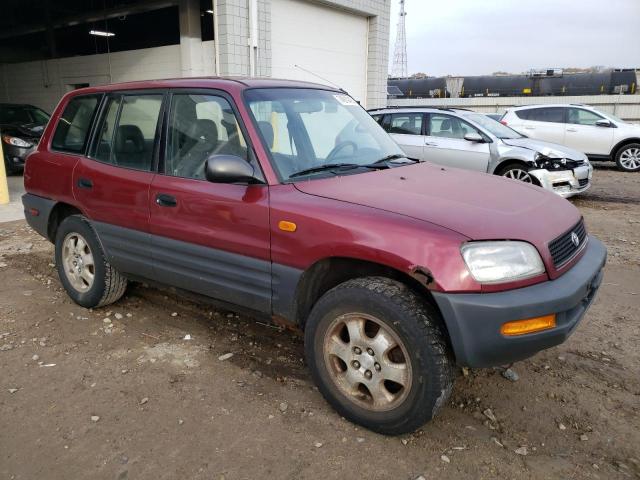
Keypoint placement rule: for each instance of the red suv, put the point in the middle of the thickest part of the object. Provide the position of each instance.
(287, 200)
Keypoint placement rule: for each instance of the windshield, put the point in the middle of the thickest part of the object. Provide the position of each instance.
(22, 114)
(493, 126)
(306, 129)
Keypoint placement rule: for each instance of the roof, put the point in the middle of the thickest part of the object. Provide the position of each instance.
(206, 82)
(392, 109)
(544, 105)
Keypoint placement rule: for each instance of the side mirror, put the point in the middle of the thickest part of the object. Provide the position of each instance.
(474, 137)
(228, 169)
(603, 123)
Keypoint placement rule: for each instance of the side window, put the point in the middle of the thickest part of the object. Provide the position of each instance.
(579, 116)
(449, 127)
(547, 114)
(523, 114)
(128, 131)
(74, 124)
(406, 123)
(377, 117)
(200, 126)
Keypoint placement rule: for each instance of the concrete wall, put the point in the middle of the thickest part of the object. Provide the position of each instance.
(43, 83)
(626, 107)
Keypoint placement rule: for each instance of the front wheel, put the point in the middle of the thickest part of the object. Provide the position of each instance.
(518, 172)
(378, 354)
(84, 271)
(628, 158)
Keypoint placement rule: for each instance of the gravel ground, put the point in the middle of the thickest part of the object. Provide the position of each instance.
(146, 388)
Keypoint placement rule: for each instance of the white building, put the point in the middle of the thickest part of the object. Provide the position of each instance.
(339, 42)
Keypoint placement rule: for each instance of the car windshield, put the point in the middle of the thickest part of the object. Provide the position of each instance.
(312, 132)
(22, 114)
(493, 126)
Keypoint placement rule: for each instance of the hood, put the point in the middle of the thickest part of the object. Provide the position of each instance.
(31, 130)
(477, 205)
(551, 150)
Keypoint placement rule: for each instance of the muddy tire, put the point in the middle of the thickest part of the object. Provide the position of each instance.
(378, 354)
(84, 271)
(628, 158)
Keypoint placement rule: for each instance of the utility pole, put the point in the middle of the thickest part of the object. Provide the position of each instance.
(399, 68)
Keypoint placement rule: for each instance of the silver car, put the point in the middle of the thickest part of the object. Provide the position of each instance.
(473, 141)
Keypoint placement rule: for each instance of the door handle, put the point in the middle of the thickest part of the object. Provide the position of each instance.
(429, 144)
(165, 200)
(529, 128)
(571, 130)
(85, 183)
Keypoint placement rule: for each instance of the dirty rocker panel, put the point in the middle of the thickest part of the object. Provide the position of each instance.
(229, 277)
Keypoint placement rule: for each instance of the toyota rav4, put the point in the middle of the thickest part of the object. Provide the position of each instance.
(249, 193)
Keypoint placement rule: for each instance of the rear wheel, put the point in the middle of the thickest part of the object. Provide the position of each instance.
(84, 271)
(378, 354)
(628, 158)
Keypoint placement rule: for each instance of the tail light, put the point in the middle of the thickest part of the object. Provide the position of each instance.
(504, 122)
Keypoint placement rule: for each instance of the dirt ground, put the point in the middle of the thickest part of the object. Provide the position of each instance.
(138, 390)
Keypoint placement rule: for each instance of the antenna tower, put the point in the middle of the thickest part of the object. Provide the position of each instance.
(399, 68)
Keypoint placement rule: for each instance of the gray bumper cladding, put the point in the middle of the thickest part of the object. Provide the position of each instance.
(474, 320)
(38, 221)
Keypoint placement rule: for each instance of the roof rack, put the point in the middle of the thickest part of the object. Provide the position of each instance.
(448, 109)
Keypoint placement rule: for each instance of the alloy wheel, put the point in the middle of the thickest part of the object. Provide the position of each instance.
(78, 262)
(630, 158)
(518, 174)
(367, 361)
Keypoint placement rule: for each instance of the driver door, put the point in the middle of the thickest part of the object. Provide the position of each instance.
(209, 238)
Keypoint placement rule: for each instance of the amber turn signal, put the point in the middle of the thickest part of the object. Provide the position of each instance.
(287, 226)
(530, 325)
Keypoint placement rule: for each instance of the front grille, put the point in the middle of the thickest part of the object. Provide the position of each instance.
(563, 248)
(583, 182)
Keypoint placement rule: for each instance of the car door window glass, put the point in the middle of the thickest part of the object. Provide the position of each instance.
(200, 126)
(449, 127)
(406, 123)
(128, 131)
(548, 114)
(579, 116)
(74, 124)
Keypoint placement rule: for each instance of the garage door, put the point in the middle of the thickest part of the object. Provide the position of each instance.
(328, 42)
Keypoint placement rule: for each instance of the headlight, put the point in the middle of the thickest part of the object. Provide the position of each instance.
(497, 262)
(16, 142)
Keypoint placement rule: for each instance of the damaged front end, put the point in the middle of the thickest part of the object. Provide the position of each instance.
(563, 176)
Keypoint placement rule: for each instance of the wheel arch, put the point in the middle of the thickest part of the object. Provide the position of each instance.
(503, 164)
(620, 144)
(59, 212)
(330, 272)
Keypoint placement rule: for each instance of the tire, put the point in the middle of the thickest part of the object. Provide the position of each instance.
(518, 171)
(98, 284)
(628, 157)
(421, 362)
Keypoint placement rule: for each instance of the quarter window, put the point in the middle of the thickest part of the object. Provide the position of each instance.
(579, 116)
(128, 131)
(449, 127)
(201, 126)
(406, 123)
(74, 124)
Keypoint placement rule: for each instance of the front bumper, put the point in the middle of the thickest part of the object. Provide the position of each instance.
(474, 320)
(15, 157)
(565, 183)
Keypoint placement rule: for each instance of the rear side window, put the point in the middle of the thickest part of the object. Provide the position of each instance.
(128, 131)
(406, 123)
(547, 114)
(74, 124)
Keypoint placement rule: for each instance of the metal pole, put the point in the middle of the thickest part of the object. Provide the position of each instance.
(4, 187)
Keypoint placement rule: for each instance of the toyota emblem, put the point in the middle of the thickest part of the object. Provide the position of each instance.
(575, 239)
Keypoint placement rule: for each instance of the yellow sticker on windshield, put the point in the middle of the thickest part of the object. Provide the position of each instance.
(345, 100)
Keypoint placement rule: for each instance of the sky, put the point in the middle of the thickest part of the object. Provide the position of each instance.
(476, 37)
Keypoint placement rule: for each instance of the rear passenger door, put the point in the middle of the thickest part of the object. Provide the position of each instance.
(544, 123)
(445, 144)
(209, 238)
(112, 182)
(407, 129)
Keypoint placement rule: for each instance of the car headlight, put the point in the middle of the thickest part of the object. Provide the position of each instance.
(502, 261)
(16, 142)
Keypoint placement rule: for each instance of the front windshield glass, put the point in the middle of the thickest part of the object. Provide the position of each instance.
(493, 126)
(306, 129)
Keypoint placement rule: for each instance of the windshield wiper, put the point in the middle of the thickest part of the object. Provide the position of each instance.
(328, 166)
(389, 158)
